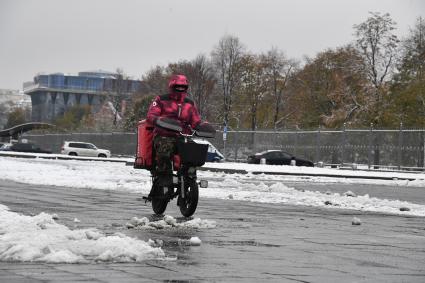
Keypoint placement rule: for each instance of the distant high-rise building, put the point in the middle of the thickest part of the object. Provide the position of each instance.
(53, 94)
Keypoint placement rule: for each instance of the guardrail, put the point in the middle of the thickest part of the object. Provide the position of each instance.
(60, 157)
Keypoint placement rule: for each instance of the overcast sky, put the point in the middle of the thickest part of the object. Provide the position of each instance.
(78, 35)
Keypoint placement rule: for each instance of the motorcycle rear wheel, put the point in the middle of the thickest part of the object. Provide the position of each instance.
(190, 202)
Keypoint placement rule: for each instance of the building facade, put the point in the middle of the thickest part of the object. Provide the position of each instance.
(53, 94)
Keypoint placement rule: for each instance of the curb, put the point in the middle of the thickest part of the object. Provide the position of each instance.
(59, 157)
(235, 171)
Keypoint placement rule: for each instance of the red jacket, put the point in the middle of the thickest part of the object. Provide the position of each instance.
(175, 106)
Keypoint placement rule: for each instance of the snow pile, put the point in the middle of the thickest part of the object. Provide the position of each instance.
(279, 193)
(169, 222)
(417, 183)
(356, 221)
(41, 239)
(195, 241)
(315, 172)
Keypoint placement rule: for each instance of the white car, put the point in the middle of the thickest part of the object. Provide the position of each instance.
(83, 149)
(213, 155)
(5, 146)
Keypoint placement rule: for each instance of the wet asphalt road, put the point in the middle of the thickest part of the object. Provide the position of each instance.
(252, 242)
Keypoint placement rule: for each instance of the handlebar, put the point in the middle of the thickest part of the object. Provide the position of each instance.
(203, 130)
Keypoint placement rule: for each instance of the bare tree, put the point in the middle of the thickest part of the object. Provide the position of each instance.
(226, 58)
(279, 70)
(203, 82)
(119, 94)
(378, 45)
(250, 90)
(154, 82)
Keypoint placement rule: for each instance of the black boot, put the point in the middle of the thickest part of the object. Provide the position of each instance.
(159, 182)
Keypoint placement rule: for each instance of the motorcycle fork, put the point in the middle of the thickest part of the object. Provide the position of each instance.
(184, 174)
(181, 174)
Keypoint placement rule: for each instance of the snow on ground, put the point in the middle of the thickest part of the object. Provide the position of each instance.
(246, 187)
(75, 173)
(313, 171)
(280, 193)
(42, 239)
(169, 222)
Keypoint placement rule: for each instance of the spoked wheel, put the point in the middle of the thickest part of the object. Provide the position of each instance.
(159, 201)
(190, 202)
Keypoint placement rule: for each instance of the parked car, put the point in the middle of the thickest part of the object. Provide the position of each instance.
(83, 149)
(5, 146)
(213, 155)
(278, 157)
(24, 147)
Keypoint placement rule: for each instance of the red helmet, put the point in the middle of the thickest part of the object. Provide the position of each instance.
(178, 80)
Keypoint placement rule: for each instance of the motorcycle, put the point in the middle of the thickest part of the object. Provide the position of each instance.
(185, 186)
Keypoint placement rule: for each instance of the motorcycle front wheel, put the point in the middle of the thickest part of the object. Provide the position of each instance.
(159, 201)
(189, 203)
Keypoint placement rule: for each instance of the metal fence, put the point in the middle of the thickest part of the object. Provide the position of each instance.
(400, 148)
(397, 148)
(118, 143)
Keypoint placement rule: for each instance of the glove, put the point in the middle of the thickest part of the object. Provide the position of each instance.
(168, 124)
(205, 130)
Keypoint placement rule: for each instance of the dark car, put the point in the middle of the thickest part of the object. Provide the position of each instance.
(278, 157)
(27, 147)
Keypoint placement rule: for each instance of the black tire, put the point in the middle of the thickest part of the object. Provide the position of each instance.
(102, 155)
(73, 154)
(190, 202)
(159, 201)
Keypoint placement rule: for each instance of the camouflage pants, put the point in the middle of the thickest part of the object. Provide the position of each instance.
(165, 148)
